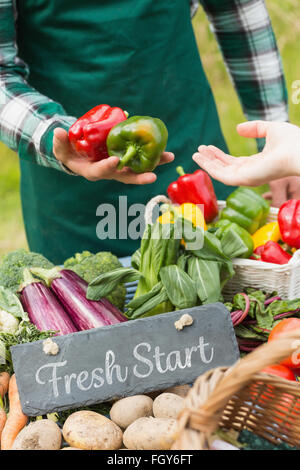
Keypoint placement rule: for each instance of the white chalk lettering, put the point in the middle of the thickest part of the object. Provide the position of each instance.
(110, 367)
(82, 377)
(177, 361)
(68, 380)
(157, 356)
(143, 360)
(54, 379)
(96, 376)
(202, 347)
(188, 355)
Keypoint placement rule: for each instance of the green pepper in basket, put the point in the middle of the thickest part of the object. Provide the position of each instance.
(246, 208)
(235, 240)
(138, 142)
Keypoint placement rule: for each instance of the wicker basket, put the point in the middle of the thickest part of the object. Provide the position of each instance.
(284, 279)
(241, 397)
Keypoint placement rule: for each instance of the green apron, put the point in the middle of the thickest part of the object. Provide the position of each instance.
(139, 55)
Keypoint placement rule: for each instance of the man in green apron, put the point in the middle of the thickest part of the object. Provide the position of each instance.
(139, 55)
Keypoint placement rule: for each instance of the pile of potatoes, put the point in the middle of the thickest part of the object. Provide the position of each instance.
(140, 422)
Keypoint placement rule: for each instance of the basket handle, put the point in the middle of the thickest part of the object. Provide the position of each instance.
(151, 204)
(242, 372)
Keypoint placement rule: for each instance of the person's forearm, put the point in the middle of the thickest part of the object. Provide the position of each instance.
(27, 118)
(245, 35)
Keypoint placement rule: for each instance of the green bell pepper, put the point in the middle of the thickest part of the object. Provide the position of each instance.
(138, 142)
(235, 240)
(246, 208)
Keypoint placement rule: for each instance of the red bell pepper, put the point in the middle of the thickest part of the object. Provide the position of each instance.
(196, 188)
(289, 222)
(257, 252)
(273, 253)
(88, 134)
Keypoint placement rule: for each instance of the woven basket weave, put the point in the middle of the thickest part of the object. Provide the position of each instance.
(241, 397)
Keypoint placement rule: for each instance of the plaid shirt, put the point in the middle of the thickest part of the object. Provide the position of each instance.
(242, 28)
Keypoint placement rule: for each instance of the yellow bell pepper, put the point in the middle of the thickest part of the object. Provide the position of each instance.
(269, 232)
(188, 211)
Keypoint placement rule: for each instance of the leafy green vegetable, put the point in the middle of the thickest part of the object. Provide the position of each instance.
(159, 248)
(104, 284)
(11, 268)
(27, 333)
(136, 259)
(142, 299)
(176, 288)
(180, 288)
(264, 314)
(206, 275)
(10, 303)
(151, 301)
(90, 266)
(248, 332)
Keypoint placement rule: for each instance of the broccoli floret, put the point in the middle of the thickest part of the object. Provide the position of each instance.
(12, 265)
(90, 266)
(77, 258)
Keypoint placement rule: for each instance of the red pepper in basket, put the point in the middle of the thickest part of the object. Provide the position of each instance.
(88, 134)
(273, 253)
(289, 222)
(257, 252)
(196, 188)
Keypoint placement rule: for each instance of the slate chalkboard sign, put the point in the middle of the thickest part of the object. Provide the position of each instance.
(130, 358)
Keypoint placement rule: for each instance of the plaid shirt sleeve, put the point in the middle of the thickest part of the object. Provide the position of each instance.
(245, 35)
(27, 118)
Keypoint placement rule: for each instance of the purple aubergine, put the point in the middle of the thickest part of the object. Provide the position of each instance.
(71, 292)
(44, 310)
(103, 306)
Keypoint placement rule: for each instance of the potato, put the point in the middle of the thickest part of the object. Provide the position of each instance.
(154, 394)
(181, 390)
(39, 435)
(167, 405)
(150, 434)
(71, 448)
(127, 410)
(91, 431)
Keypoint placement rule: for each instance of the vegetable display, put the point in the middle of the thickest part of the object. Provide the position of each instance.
(196, 188)
(169, 275)
(44, 434)
(43, 308)
(236, 241)
(139, 143)
(184, 260)
(268, 232)
(272, 252)
(89, 133)
(280, 371)
(246, 208)
(289, 222)
(70, 291)
(88, 266)
(187, 210)
(254, 314)
(284, 326)
(13, 264)
(16, 419)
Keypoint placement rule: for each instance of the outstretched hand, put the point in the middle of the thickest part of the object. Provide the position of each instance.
(105, 169)
(280, 158)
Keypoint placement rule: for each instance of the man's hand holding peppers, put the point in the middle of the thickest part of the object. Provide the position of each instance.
(98, 170)
(104, 144)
